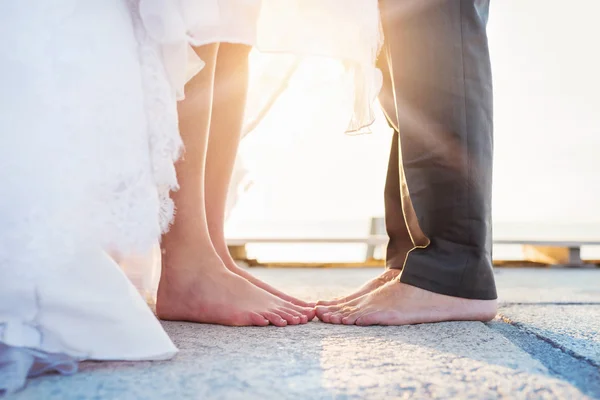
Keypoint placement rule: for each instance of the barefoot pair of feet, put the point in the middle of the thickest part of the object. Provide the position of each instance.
(224, 297)
(200, 281)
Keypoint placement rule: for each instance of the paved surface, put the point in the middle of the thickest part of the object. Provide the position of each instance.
(544, 344)
(574, 328)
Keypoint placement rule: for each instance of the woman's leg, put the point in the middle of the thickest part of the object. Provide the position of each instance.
(229, 103)
(194, 122)
(195, 285)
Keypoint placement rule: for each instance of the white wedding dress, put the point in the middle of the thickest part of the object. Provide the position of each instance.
(88, 138)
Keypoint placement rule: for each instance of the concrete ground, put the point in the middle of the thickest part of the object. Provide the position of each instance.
(545, 344)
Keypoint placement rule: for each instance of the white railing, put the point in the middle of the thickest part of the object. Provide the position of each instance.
(551, 252)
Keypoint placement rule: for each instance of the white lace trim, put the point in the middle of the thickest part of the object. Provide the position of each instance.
(163, 132)
(80, 184)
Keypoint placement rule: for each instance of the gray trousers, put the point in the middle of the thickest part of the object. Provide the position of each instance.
(437, 96)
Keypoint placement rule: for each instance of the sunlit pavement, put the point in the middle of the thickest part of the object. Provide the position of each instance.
(544, 344)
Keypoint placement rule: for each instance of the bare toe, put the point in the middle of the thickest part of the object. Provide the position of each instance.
(308, 312)
(291, 311)
(351, 318)
(303, 318)
(274, 319)
(258, 320)
(322, 310)
(288, 316)
(326, 317)
(336, 318)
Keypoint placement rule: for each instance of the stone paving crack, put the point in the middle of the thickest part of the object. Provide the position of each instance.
(551, 342)
(560, 362)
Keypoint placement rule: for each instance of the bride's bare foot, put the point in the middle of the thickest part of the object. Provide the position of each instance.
(373, 284)
(233, 267)
(397, 303)
(203, 290)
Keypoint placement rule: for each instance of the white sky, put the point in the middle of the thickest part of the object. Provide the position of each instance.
(545, 57)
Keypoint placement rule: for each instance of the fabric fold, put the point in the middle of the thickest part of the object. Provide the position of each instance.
(346, 30)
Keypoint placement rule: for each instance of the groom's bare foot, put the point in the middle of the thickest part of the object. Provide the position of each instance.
(199, 288)
(397, 303)
(373, 284)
